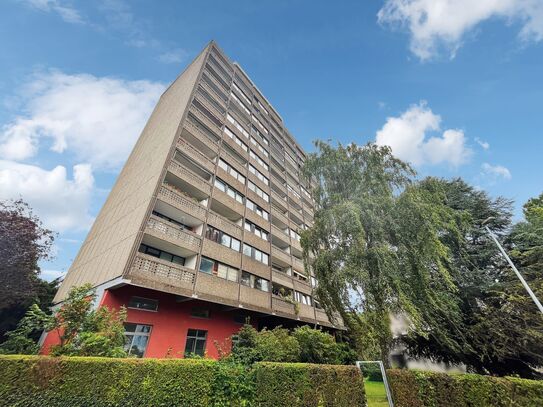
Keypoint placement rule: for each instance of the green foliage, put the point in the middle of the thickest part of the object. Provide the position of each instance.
(375, 246)
(427, 389)
(499, 330)
(304, 344)
(307, 385)
(30, 381)
(372, 371)
(83, 330)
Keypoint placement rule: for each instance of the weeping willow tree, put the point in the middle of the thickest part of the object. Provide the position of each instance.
(376, 249)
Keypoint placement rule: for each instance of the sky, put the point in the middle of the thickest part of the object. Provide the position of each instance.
(455, 87)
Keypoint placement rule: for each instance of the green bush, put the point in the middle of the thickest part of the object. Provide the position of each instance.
(307, 385)
(32, 381)
(427, 389)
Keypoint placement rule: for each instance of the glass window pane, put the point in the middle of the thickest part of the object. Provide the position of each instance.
(246, 279)
(235, 244)
(225, 240)
(222, 271)
(206, 265)
(232, 274)
(189, 347)
(200, 347)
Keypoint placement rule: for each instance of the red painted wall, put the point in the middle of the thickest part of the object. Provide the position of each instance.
(170, 323)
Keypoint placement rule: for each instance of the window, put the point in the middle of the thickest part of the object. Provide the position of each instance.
(143, 303)
(258, 159)
(220, 237)
(198, 312)
(254, 207)
(218, 269)
(262, 107)
(255, 254)
(257, 230)
(232, 171)
(258, 191)
(302, 298)
(224, 187)
(258, 174)
(161, 254)
(196, 342)
(137, 337)
(236, 139)
(250, 280)
(237, 125)
(175, 222)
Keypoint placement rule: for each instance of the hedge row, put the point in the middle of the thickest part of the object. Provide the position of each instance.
(99, 382)
(411, 388)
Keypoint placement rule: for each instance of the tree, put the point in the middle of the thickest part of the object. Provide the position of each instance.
(501, 329)
(82, 329)
(23, 243)
(317, 346)
(375, 247)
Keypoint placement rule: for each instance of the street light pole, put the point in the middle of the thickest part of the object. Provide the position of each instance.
(524, 283)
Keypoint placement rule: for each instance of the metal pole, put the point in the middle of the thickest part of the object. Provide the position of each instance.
(524, 283)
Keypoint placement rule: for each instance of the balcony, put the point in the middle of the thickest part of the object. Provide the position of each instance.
(234, 159)
(281, 306)
(225, 205)
(195, 154)
(278, 218)
(217, 85)
(188, 180)
(205, 140)
(222, 69)
(255, 298)
(223, 82)
(279, 237)
(236, 147)
(282, 258)
(210, 104)
(214, 88)
(183, 203)
(217, 289)
(282, 278)
(204, 119)
(303, 287)
(256, 267)
(215, 250)
(162, 229)
(279, 200)
(157, 273)
(297, 263)
(222, 223)
(306, 312)
(322, 317)
(255, 241)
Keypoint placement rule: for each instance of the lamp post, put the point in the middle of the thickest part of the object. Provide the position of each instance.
(524, 283)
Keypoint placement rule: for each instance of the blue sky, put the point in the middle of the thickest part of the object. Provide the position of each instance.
(455, 87)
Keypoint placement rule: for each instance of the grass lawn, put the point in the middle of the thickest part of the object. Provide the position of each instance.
(375, 394)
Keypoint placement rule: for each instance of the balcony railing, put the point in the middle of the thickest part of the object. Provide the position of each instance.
(281, 255)
(224, 224)
(279, 304)
(182, 202)
(202, 135)
(204, 119)
(195, 154)
(149, 267)
(190, 177)
(180, 236)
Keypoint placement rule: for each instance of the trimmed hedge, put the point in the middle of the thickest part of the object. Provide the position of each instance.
(34, 381)
(411, 388)
(307, 385)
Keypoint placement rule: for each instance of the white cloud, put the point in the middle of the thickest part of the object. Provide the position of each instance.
(98, 119)
(495, 171)
(408, 137)
(60, 202)
(484, 144)
(437, 24)
(66, 12)
(174, 56)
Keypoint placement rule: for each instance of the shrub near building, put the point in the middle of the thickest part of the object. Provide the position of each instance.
(33, 381)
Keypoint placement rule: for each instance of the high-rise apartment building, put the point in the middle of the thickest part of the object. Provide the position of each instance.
(201, 229)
